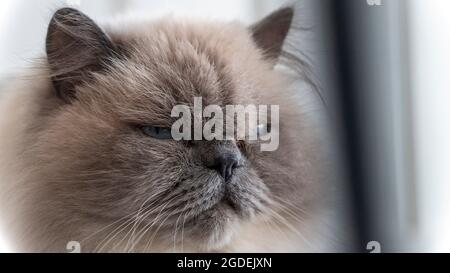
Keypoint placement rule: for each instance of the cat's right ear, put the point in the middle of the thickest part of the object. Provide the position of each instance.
(75, 46)
(270, 33)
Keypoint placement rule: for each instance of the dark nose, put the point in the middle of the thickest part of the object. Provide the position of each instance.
(225, 165)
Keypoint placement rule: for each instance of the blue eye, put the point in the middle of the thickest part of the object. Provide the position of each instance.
(157, 132)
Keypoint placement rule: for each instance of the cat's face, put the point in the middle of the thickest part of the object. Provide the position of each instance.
(98, 160)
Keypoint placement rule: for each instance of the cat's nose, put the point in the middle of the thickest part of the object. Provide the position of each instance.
(224, 164)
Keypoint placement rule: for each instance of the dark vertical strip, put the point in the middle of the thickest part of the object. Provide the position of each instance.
(342, 17)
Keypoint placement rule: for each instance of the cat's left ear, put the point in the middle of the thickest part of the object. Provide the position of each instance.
(270, 33)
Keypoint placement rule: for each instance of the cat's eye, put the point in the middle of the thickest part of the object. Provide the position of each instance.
(264, 128)
(157, 131)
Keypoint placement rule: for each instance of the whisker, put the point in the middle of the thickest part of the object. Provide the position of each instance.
(150, 225)
(148, 246)
(176, 228)
(115, 232)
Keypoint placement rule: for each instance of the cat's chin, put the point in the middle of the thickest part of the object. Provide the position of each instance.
(214, 229)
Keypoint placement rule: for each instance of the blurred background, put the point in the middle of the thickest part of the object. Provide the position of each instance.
(393, 96)
(384, 69)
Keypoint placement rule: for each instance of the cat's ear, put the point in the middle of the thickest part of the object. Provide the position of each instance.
(269, 33)
(75, 46)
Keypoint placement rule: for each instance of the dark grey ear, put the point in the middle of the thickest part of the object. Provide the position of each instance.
(75, 47)
(270, 33)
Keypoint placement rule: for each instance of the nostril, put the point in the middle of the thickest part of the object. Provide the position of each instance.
(225, 165)
(229, 172)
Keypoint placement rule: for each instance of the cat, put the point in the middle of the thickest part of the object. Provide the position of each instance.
(76, 164)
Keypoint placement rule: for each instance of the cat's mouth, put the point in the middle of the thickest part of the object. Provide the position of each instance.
(229, 204)
(214, 227)
(224, 208)
(210, 214)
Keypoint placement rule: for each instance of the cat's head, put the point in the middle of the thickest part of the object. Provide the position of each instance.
(101, 157)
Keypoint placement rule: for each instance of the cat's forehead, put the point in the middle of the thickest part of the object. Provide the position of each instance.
(188, 60)
(163, 66)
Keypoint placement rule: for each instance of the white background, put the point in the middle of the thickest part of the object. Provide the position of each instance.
(430, 82)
